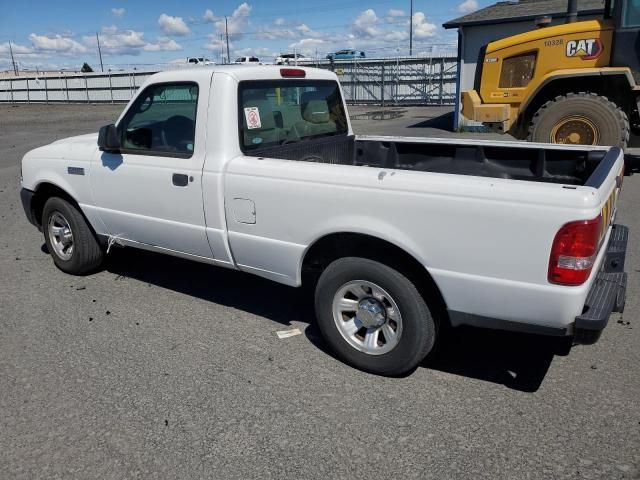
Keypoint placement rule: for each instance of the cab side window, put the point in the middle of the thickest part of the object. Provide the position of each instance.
(162, 121)
(631, 14)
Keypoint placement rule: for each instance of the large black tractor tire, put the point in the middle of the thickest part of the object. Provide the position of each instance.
(580, 119)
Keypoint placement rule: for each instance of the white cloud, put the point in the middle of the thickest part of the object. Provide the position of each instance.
(110, 30)
(308, 46)
(365, 24)
(118, 12)
(262, 53)
(209, 17)
(129, 42)
(118, 42)
(395, 16)
(237, 22)
(16, 47)
(468, 6)
(281, 29)
(367, 27)
(56, 43)
(422, 28)
(163, 44)
(172, 25)
(216, 43)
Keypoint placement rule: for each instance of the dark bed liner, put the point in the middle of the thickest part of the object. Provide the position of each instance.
(550, 165)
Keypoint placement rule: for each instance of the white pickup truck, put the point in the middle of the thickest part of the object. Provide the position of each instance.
(257, 169)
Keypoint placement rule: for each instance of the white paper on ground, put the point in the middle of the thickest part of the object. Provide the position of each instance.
(288, 333)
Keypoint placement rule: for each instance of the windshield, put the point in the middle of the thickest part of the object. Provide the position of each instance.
(275, 112)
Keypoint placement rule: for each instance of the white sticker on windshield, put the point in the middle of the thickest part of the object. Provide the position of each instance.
(252, 115)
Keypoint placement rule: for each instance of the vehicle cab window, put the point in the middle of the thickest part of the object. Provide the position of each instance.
(631, 14)
(161, 121)
(278, 112)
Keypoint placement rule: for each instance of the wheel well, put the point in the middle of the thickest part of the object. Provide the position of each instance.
(614, 87)
(44, 192)
(338, 245)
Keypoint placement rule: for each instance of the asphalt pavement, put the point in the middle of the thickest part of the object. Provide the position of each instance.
(158, 367)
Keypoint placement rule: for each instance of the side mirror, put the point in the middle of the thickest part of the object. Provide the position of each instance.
(108, 139)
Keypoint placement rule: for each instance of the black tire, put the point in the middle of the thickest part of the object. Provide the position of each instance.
(610, 121)
(418, 327)
(87, 254)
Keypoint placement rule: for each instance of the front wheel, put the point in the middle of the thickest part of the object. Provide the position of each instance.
(70, 241)
(373, 317)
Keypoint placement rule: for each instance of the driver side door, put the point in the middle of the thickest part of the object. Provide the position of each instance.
(150, 193)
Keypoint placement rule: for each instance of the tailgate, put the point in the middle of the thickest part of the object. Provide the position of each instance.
(607, 291)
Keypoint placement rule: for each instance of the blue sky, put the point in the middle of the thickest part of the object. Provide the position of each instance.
(62, 34)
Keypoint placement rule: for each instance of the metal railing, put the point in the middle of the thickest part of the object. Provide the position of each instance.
(392, 81)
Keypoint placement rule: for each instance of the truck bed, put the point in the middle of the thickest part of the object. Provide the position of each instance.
(571, 166)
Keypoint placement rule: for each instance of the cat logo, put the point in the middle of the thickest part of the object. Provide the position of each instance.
(588, 49)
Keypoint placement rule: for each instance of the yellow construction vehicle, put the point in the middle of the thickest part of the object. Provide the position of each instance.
(575, 83)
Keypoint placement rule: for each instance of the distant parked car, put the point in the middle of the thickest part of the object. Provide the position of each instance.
(289, 58)
(346, 55)
(247, 61)
(199, 61)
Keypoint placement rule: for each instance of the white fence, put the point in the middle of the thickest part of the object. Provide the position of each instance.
(420, 81)
(109, 87)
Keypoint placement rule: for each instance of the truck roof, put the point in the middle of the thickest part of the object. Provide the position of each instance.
(239, 72)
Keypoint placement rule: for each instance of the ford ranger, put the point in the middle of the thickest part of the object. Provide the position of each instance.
(256, 168)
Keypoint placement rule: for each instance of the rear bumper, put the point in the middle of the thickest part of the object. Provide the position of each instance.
(608, 292)
(606, 295)
(26, 197)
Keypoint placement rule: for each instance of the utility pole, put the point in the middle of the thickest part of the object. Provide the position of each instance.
(13, 61)
(226, 32)
(99, 52)
(411, 30)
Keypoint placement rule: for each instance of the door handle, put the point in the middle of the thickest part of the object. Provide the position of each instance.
(180, 179)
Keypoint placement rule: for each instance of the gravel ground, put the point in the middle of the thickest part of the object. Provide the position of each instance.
(162, 368)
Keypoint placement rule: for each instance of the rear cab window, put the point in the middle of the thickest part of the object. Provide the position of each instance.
(277, 112)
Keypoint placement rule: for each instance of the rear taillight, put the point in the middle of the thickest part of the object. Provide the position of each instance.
(574, 252)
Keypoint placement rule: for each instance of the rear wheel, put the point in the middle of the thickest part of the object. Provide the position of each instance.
(373, 317)
(71, 242)
(580, 119)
